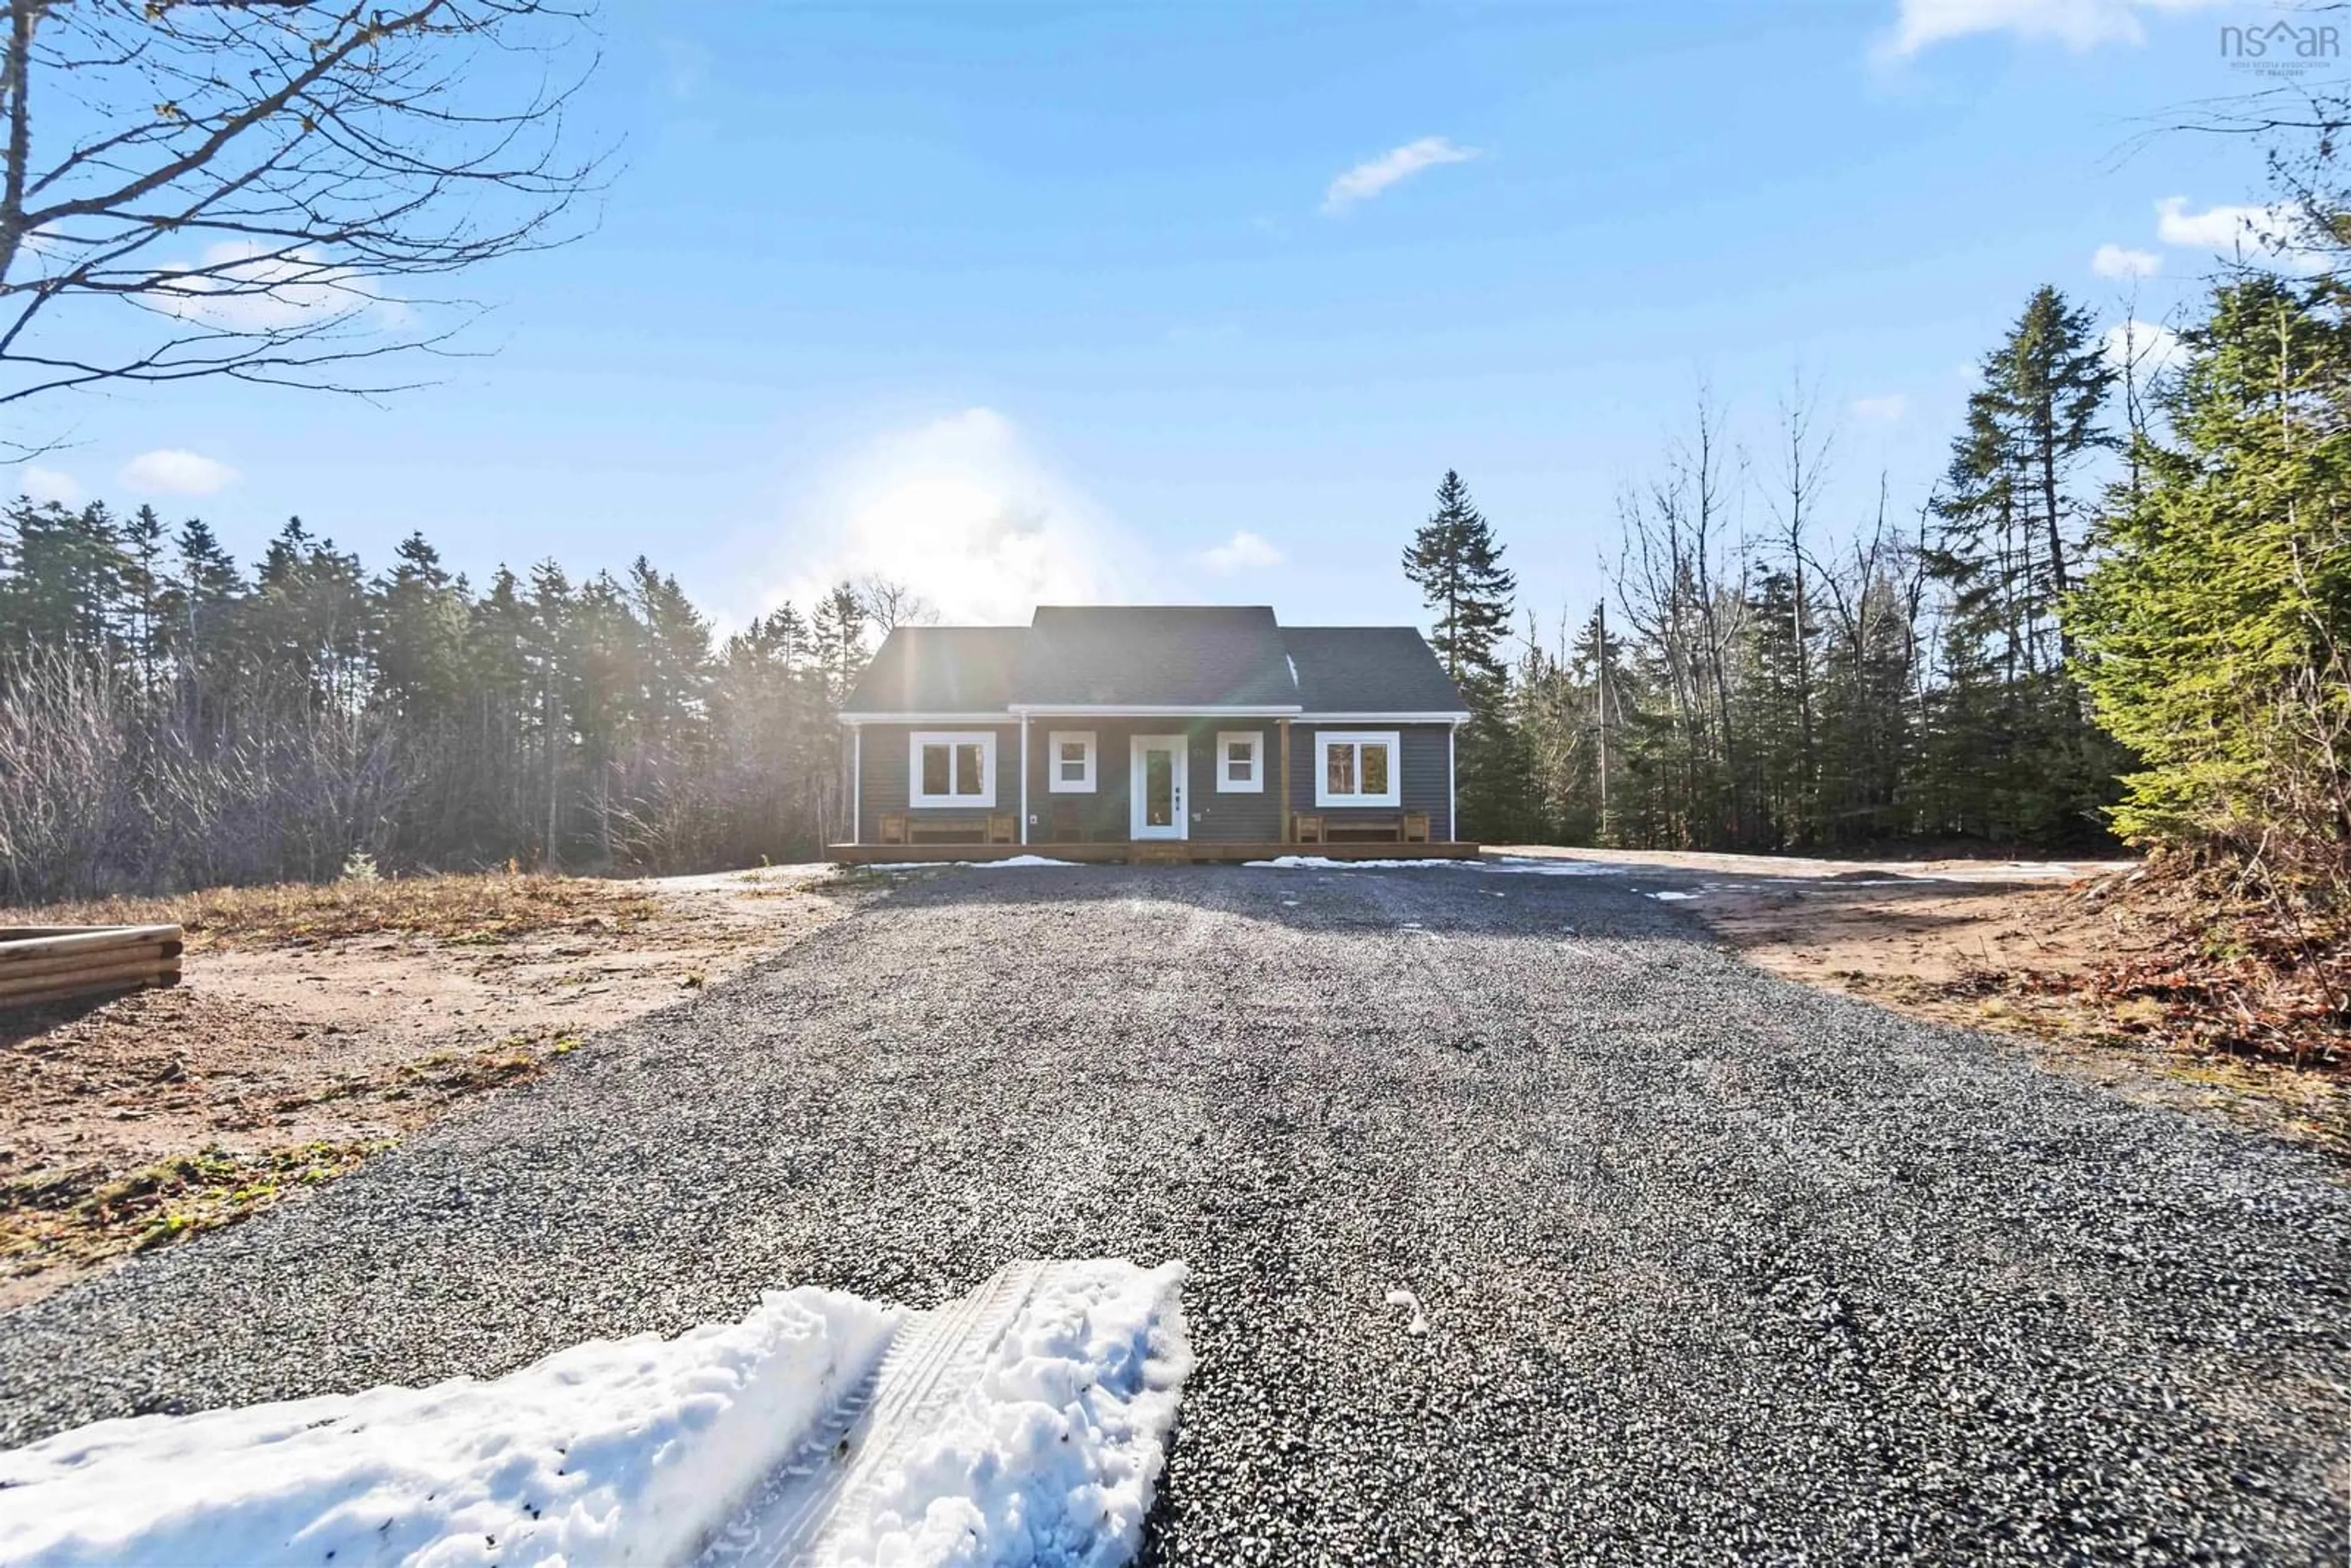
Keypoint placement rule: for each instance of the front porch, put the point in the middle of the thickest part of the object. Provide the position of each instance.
(1164, 851)
(1211, 787)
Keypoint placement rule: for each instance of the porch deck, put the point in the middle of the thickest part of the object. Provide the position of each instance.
(1153, 851)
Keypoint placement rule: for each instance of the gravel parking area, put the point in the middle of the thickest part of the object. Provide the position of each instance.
(1711, 1267)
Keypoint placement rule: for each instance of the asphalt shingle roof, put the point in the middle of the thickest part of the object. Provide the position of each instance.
(1158, 656)
(1155, 655)
(941, 669)
(1369, 669)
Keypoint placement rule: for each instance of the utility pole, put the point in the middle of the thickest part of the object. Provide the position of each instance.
(1602, 655)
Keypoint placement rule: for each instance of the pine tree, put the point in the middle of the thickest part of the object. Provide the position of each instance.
(2013, 745)
(65, 584)
(1456, 563)
(2216, 623)
(419, 630)
(143, 591)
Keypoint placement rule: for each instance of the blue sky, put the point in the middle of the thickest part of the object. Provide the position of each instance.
(1198, 302)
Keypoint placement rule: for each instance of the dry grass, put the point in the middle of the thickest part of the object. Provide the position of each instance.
(317, 1024)
(2136, 1042)
(90, 1212)
(87, 1215)
(476, 908)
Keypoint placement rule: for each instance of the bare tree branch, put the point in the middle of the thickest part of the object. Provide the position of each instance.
(247, 188)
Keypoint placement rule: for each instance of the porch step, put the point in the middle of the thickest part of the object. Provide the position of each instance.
(1162, 854)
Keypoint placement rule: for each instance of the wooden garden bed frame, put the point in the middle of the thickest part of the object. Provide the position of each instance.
(50, 963)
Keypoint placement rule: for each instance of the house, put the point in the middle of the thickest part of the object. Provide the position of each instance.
(1151, 732)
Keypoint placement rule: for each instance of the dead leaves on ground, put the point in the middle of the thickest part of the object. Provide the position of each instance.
(469, 909)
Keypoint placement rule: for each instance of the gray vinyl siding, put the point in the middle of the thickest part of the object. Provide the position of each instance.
(1215, 817)
(1106, 815)
(1426, 773)
(884, 770)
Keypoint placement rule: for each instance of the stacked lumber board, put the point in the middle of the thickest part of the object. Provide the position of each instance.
(49, 963)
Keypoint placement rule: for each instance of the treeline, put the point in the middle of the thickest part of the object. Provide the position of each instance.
(1766, 676)
(169, 720)
(2125, 610)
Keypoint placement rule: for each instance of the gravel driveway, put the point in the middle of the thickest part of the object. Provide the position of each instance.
(1713, 1268)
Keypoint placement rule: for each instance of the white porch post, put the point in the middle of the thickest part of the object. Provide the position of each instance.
(1024, 779)
(856, 782)
(1452, 791)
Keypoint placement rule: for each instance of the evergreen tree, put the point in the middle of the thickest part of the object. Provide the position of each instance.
(143, 590)
(2218, 621)
(2019, 759)
(419, 636)
(65, 586)
(1456, 563)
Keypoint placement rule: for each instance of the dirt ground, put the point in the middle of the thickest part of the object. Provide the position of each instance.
(309, 1033)
(2009, 946)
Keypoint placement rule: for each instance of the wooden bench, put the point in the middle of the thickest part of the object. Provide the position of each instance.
(1409, 828)
(908, 828)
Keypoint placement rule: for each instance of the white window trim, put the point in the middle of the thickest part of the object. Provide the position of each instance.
(984, 739)
(1054, 783)
(1325, 739)
(1255, 741)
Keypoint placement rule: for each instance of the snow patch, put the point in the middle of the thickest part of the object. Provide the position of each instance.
(1013, 862)
(1671, 895)
(1323, 862)
(1419, 1324)
(615, 1451)
(1054, 1455)
(1512, 866)
(643, 1450)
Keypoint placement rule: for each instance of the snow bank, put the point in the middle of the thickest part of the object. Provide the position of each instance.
(1323, 862)
(1053, 1454)
(611, 1452)
(642, 1451)
(1515, 865)
(1014, 862)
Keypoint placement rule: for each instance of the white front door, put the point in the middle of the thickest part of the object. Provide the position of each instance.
(1157, 764)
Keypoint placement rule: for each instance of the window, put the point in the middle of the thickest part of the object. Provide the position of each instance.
(1357, 768)
(1069, 762)
(952, 768)
(1240, 761)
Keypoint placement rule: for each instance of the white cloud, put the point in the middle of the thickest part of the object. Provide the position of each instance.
(41, 484)
(175, 471)
(2151, 346)
(1372, 176)
(1886, 410)
(2121, 261)
(1919, 24)
(966, 512)
(1242, 552)
(243, 286)
(2227, 230)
